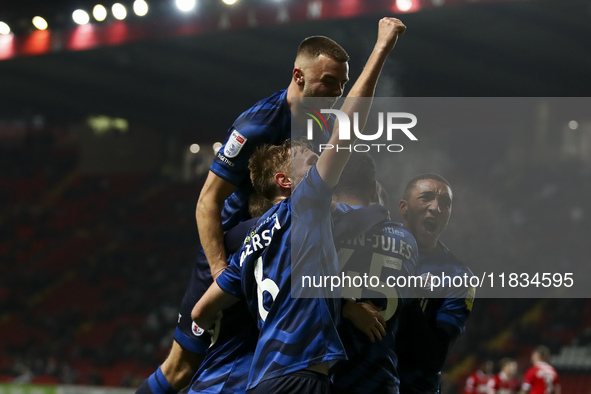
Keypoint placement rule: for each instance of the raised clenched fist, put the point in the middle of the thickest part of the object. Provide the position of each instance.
(388, 32)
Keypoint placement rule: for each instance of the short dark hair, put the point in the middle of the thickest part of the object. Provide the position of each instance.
(315, 46)
(265, 162)
(543, 352)
(358, 177)
(412, 183)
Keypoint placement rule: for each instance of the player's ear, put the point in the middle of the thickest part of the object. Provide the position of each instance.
(283, 180)
(298, 76)
(403, 207)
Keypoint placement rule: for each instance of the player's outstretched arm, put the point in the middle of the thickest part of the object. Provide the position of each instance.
(207, 309)
(332, 161)
(209, 221)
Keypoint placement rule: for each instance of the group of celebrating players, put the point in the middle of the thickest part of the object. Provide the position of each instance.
(272, 211)
(540, 378)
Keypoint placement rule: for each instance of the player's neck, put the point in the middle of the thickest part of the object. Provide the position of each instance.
(279, 199)
(351, 201)
(293, 90)
(431, 249)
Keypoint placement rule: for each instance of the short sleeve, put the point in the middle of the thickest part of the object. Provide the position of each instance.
(231, 161)
(230, 281)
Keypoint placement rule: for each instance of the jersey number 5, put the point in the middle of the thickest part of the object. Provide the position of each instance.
(378, 261)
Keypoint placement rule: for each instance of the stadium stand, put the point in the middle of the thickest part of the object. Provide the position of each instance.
(96, 266)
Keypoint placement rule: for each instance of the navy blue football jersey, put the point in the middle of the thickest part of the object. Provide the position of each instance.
(431, 324)
(266, 122)
(384, 251)
(295, 333)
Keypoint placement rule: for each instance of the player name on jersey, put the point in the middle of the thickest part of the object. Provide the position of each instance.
(253, 241)
(383, 242)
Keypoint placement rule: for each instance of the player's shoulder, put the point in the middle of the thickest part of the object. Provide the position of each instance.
(265, 113)
(233, 237)
(311, 188)
(274, 99)
(531, 371)
(273, 215)
(399, 229)
(444, 260)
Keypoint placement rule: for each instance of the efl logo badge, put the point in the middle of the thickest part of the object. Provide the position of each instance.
(234, 144)
(197, 331)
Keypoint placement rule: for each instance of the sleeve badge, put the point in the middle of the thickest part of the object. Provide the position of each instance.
(234, 144)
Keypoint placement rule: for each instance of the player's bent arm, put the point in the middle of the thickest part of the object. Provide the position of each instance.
(209, 221)
(332, 161)
(207, 309)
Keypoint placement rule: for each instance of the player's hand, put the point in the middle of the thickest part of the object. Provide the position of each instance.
(389, 29)
(366, 317)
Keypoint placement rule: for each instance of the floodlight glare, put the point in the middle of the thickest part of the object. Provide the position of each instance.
(216, 146)
(194, 148)
(186, 5)
(404, 5)
(40, 23)
(229, 2)
(140, 7)
(119, 11)
(99, 12)
(80, 17)
(4, 28)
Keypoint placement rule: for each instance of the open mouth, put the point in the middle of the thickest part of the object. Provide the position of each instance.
(430, 225)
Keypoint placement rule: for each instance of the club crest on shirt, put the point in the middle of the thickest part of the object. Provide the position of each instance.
(426, 281)
(234, 144)
(197, 331)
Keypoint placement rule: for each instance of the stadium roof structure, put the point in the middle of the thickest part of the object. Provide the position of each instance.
(202, 78)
